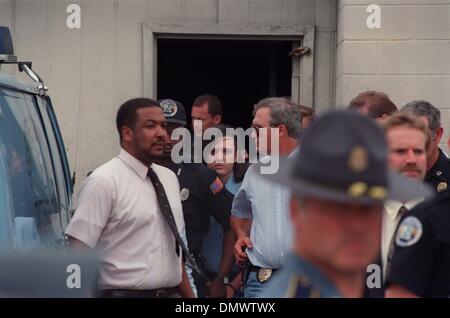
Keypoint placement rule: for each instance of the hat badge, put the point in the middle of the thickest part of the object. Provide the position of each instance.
(358, 159)
(378, 192)
(357, 189)
(169, 107)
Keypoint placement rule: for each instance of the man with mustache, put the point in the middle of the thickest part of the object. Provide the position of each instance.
(438, 164)
(408, 141)
(420, 262)
(124, 209)
(339, 181)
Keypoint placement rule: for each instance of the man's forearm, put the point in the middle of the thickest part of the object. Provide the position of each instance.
(184, 289)
(241, 227)
(227, 254)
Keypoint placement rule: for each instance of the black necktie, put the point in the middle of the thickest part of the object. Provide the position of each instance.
(166, 210)
(391, 249)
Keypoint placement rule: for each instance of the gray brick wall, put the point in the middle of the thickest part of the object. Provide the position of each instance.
(408, 57)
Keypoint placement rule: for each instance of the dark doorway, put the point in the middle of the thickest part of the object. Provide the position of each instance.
(239, 72)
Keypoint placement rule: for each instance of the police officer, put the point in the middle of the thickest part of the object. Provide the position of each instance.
(420, 266)
(438, 164)
(340, 179)
(203, 195)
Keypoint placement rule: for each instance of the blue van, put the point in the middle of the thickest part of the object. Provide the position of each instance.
(35, 181)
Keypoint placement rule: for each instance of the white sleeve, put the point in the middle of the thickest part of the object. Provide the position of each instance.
(242, 206)
(94, 209)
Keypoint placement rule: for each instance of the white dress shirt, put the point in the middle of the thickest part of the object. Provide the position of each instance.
(391, 218)
(118, 215)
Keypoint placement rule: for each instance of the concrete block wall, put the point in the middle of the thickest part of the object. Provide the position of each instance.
(90, 71)
(408, 57)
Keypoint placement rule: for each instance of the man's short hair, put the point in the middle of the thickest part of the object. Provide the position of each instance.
(378, 103)
(282, 111)
(214, 104)
(126, 115)
(424, 108)
(405, 120)
(306, 111)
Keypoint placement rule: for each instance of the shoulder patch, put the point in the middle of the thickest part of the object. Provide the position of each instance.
(409, 232)
(216, 186)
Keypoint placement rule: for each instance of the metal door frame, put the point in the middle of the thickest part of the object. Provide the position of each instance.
(301, 35)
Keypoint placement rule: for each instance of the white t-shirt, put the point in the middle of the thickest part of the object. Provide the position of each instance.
(119, 216)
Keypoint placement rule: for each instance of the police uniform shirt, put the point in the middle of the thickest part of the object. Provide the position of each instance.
(439, 175)
(118, 214)
(202, 195)
(391, 218)
(421, 259)
(299, 279)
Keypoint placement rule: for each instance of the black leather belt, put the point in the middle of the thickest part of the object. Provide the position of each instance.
(262, 274)
(137, 293)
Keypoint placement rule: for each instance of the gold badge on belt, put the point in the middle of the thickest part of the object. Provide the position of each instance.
(264, 274)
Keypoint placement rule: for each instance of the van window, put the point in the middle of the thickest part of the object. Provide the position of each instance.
(60, 165)
(29, 171)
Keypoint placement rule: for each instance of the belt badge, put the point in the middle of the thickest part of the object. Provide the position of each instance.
(264, 274)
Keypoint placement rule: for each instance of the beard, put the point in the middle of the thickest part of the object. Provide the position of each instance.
(148, 154)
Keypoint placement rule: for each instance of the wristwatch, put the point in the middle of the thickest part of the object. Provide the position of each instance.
(224, 280)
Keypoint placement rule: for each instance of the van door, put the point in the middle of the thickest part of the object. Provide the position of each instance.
(31, 172)
(59, 160)
(6, 217)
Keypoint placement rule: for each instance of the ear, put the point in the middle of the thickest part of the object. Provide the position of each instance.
(282, 131)
(438, 135)
(127, 133)
(217, 119)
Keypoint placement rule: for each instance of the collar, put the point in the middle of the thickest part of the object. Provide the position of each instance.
(231, 185)
(294, 152)
(392, 207)
(439, 166)
(131, 161)
(268, 158)
(305, 268)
